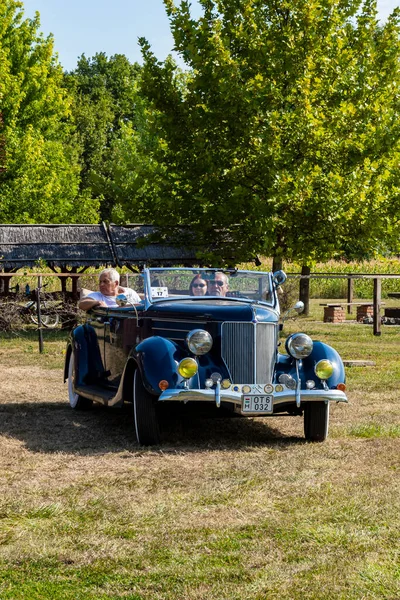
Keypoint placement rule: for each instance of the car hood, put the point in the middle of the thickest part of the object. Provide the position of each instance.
(213, 310)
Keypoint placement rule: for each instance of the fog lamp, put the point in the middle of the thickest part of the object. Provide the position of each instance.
(324, 369)
(187, 368)
(310, 384)
(287, 380)
(299, 345)
(208, 383)
(199, 341)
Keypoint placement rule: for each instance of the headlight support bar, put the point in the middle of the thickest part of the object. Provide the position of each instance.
(298, 384)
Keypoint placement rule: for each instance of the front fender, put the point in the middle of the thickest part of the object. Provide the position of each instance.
(321, 351)
(157, 359)
(287, 364)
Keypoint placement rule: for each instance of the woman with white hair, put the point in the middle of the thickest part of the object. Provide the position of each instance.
(109, 290)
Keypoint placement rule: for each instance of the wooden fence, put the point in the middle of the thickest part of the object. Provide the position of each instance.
(350, 277)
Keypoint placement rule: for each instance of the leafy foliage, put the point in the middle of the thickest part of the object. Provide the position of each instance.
(39, 181)
(284, 134)
(105, 100)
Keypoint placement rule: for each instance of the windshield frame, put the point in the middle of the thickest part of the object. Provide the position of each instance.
(231, 273)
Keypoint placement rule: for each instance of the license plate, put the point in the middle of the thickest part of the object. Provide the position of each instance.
(257, 404)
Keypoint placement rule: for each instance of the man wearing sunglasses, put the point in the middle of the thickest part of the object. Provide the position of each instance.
(218, 285)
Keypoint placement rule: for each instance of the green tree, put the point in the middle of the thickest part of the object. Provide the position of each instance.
(39, 181)
(285, 135)
(105, 98)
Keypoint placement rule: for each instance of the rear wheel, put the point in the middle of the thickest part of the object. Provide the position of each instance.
(145, 413)
(76, 401)
(316, 421)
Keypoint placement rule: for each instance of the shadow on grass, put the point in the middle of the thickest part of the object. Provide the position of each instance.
(54, 427)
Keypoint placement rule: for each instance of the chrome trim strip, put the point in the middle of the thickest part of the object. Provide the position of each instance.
(176, 339)
(170, 328)
(167, 320)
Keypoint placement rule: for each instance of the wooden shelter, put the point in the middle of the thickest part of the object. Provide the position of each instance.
(74, 248)
(63, 248)
(137, 245)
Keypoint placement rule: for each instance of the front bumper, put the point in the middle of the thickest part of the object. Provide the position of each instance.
(285, 397)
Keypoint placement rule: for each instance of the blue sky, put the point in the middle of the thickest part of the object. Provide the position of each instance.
(90, 26)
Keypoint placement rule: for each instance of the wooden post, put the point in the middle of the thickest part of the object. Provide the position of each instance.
(377, 305)
(63, 286)
(39, 314)
(350, 293)
(304, 292)
(75, 281)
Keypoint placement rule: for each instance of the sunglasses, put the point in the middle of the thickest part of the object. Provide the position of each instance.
(201, 285)
(217, 282)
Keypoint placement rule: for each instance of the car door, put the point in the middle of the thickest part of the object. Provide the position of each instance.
(122, 332)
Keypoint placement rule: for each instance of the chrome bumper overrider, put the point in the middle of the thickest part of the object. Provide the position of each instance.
(217, 396)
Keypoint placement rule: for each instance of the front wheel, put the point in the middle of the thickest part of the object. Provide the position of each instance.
(76, 401)
(316, 421)
(145, 413)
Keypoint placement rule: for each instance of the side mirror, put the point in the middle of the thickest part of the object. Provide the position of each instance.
(297, 308)
(121, 300)
(279, 277)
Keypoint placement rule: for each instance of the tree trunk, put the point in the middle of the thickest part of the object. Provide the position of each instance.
(277, 263)
(304, 292)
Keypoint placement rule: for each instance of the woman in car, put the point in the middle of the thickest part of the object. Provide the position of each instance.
(198, 286)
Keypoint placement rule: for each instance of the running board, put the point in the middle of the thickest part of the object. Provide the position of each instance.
(96, 393)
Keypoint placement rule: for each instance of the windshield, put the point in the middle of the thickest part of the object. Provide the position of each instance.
(200, 283)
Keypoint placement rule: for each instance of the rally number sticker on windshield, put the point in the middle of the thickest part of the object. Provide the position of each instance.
(159, 292)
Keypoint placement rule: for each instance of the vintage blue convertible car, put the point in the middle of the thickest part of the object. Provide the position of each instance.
(202, 335)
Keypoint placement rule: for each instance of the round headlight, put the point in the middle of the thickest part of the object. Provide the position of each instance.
(187, 368)
(299, 345)
(199, 341)
(324, 369)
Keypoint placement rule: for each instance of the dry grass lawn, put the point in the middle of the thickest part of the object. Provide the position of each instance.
(225, 509)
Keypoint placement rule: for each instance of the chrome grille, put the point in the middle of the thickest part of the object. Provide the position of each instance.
(248, 350)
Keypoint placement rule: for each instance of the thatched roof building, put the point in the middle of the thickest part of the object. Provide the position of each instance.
(58, 245)
(137, 245)
(72, 247)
